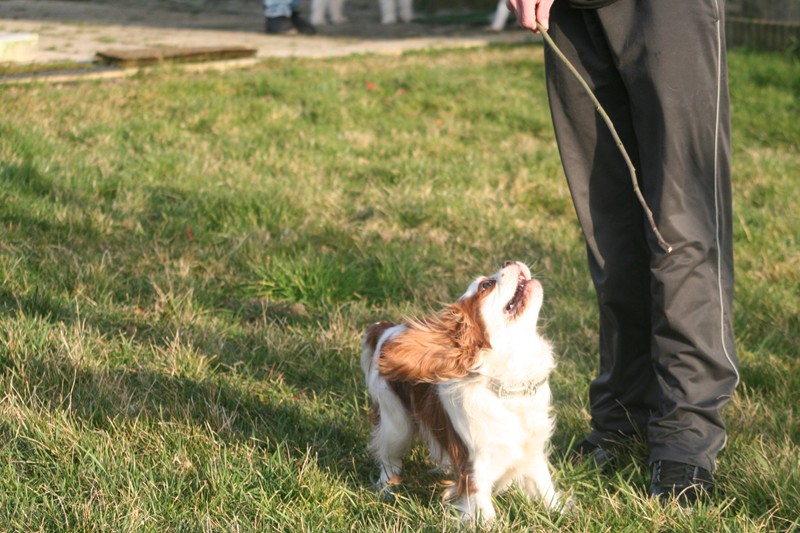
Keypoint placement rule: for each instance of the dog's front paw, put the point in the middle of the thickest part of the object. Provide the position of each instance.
(567, 505)
(480, 517)
(475, 508)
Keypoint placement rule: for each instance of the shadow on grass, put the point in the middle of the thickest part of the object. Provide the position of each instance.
(108, 399)
(236, 398)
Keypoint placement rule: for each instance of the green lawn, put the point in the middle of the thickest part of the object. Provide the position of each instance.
(188, 261)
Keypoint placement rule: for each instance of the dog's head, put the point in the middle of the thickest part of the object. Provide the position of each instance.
(497, 314)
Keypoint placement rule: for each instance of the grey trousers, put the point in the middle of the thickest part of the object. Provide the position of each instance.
(667, 358)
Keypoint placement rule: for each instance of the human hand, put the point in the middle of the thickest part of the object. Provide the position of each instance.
(529, 12)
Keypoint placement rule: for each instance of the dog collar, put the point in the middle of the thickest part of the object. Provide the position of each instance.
(515, 390)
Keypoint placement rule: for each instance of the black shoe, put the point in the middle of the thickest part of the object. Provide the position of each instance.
(279, 26)
(600, 448)
(302, 25)
(679, 481)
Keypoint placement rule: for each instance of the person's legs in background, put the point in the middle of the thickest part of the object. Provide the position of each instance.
(283, 16)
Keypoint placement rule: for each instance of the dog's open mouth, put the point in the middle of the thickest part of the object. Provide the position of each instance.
(513, 306)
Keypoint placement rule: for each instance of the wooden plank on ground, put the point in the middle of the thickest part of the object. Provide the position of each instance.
(151, 56)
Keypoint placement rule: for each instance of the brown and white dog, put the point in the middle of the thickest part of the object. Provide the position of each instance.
(472, 381)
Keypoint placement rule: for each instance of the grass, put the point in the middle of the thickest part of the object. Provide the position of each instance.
(187, 262)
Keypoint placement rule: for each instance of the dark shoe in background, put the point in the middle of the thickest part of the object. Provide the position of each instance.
(302, 25)
(684, 483)
(279, 26)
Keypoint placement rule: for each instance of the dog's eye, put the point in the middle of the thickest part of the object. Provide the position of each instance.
(486, 285)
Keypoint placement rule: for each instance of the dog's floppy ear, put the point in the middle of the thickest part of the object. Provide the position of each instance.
(440, 348)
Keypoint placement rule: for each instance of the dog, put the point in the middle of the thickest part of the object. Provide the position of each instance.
(334, 9)
(472, 382)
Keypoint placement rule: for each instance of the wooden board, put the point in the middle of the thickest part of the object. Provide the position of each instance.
(150, 56)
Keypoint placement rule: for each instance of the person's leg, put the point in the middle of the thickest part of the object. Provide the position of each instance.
(277, 8)
(283, 16)
(675, 74)
(299, 22)
(625, 392)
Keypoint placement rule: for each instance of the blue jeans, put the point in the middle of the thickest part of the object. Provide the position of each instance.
(280, 8)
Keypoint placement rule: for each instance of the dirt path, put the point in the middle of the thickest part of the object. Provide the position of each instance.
(76, 30)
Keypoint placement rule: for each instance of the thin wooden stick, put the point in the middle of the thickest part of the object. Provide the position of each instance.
(661, 242)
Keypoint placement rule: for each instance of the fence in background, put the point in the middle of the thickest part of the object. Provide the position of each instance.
(766, 34)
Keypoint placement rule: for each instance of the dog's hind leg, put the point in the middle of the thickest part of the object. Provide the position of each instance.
(392, 436)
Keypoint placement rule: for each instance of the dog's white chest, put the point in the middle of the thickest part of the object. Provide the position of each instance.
(483, 418)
